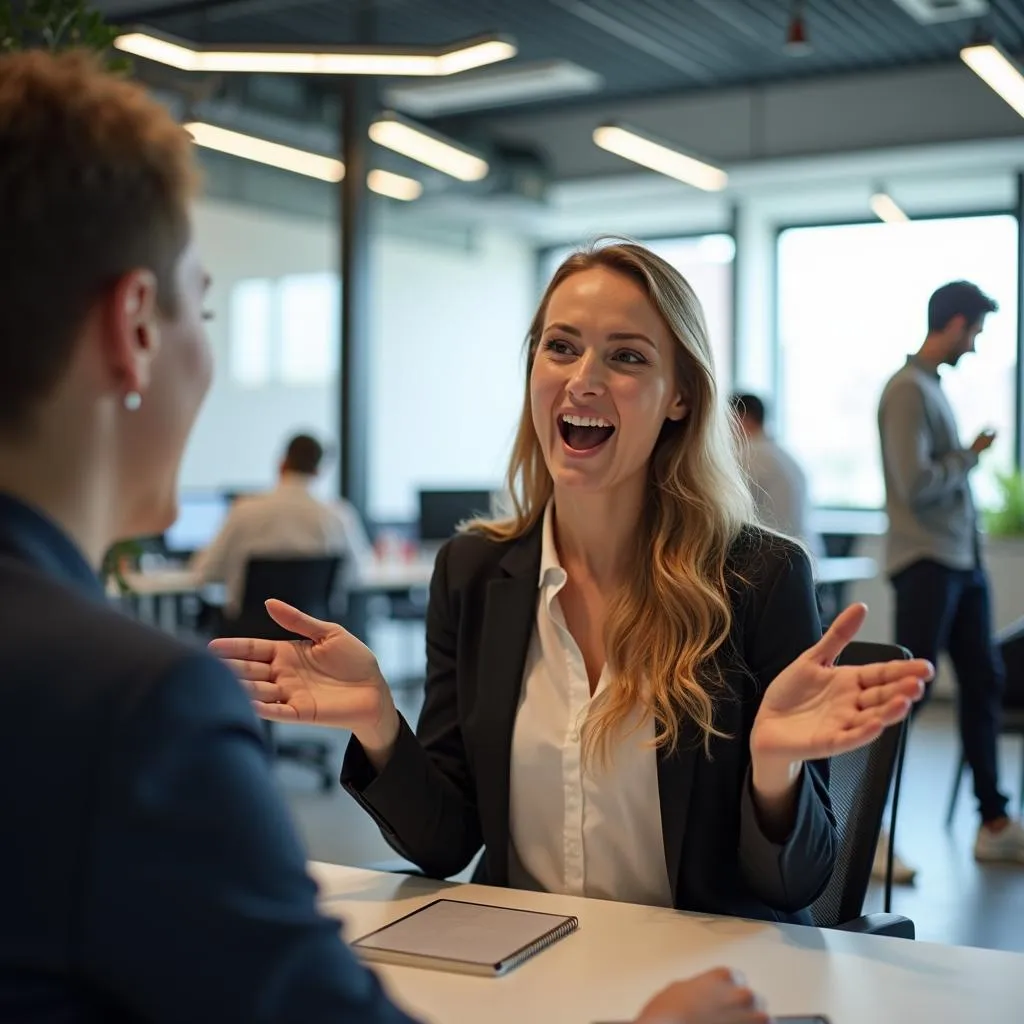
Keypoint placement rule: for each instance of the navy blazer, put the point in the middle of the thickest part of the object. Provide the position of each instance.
(150, 869)
(445, 791)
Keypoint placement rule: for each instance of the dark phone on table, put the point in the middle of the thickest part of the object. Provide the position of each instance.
(812, 1019)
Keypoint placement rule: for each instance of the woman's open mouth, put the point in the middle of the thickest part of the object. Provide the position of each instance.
(584, 433)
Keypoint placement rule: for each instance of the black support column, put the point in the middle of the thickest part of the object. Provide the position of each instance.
(1018, 405)
(357, 110)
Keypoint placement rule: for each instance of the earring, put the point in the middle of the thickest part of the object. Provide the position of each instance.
(132, 401)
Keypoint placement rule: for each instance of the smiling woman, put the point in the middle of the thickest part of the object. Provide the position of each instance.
(628, 695)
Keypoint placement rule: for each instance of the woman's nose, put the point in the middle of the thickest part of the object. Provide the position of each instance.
(587, 377)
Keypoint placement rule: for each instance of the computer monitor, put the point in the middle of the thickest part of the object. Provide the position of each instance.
(442, 511)
(200, 516)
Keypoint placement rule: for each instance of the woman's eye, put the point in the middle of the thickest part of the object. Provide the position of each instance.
(558, 347)
(632, 358)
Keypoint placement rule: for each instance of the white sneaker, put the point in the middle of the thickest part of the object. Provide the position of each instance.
(902, 873)
(1005, 846)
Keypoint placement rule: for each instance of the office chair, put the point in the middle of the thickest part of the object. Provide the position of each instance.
(859, 786)
(308, 584)
(1011, 648)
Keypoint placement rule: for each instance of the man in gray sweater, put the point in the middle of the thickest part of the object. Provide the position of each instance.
(933, 553)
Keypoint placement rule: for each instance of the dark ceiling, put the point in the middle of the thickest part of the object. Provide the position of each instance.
(639, 47)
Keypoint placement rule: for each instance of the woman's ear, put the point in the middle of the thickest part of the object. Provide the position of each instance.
(678, 410)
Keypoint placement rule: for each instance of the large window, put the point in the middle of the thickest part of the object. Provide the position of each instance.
(852, 305)
(706, 261)
(284, 331)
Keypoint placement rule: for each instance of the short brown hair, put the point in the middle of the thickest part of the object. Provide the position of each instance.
(303, 455)
(95, 181)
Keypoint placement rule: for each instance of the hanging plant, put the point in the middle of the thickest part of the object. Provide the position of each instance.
(57, 25)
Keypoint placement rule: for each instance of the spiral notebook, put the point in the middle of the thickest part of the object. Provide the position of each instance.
(470, 938)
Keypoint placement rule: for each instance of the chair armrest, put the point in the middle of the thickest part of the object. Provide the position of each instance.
(894, 925)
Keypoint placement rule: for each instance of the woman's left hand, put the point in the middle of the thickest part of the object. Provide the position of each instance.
(816, 709)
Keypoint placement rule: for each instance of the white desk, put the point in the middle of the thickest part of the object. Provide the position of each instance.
(622, 954)
(845, 570)
(378, 577)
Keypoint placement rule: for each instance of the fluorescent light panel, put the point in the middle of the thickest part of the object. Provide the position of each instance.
(997, 71)
(299, 161)
(886, 208)
(178, 53)
(397, 186)
(494, 87)
(428, 148)
(631, 145)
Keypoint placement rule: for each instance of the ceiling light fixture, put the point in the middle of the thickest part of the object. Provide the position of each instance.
(797, 42)
(298, 161)
(495, 86)
(397, 186)
(998, 71)
(313, 60)
(428, 147)
(886, 208)
(658, 156)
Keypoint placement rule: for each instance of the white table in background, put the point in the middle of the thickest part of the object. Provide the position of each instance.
(623, 953)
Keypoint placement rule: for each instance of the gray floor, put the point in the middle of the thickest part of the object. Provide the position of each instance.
(954, 901)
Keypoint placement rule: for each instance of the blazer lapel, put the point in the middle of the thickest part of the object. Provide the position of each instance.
(675, 784)
(509, 612)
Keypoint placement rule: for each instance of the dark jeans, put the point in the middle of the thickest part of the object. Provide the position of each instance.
(942, 609)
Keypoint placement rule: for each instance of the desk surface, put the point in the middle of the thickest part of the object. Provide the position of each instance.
(380, 577)
(623, 953)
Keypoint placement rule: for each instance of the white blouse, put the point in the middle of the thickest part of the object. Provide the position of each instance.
(582, 830)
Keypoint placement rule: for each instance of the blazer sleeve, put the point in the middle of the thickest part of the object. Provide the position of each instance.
(196, 904)
(425, 799)
(791, 875)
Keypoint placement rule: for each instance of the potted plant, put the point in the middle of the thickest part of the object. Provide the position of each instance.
(1007, 519)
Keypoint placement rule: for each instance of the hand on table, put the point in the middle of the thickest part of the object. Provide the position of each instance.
(816, 709)
(716, 997)
(330, 678)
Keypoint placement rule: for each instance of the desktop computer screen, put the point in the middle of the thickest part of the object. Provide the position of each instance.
(442, 511)
(200, 516)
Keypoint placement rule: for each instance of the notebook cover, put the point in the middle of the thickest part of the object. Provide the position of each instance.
(469, 938)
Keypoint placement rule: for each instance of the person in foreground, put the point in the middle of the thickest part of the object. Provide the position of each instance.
(151, 871)
(628, 695)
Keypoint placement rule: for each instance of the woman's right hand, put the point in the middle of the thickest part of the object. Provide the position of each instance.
(331, 678)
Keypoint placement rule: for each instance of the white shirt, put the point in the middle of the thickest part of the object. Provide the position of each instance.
(285, 521)
(585, 831)
(780, 492)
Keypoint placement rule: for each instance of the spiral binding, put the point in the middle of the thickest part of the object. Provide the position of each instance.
(567, 927)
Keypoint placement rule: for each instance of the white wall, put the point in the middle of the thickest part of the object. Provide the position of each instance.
(447, 373)
(448, 323)
(240, 431)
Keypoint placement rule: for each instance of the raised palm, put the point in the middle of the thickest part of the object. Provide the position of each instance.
(330, 678)
(815, 708)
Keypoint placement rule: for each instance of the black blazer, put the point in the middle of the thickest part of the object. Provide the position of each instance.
(445, 791)
(150, 870)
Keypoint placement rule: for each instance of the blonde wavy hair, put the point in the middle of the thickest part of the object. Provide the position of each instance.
(666, 624)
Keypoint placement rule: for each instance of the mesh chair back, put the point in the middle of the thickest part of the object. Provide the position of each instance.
(859, 786)
(307, 583)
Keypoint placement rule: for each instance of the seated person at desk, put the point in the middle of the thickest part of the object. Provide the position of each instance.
(628, 694)
(288, 520)
(778, 483)
(152, 873)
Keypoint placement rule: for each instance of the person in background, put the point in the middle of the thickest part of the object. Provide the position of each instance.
(933, 550)
(628, 692)
(778, 483)
(152, 872)
(289, 520)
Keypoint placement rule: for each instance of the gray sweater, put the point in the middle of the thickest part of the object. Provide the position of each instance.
(927, 495)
